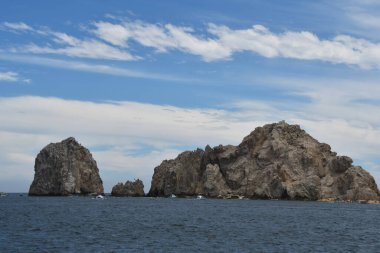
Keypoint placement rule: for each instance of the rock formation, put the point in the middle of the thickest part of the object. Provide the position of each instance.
(65, 168)
(276, 161)
(129, 189)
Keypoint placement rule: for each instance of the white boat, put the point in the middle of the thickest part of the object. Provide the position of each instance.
(3, 194)
(173, 196)
(200, 197)
(99, 197)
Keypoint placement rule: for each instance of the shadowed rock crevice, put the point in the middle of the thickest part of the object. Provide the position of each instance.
(276, 161)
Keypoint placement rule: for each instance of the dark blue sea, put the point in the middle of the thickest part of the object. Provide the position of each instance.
(83, 224)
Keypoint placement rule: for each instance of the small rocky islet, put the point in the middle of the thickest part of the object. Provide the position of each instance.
(129, 189)
(276, 161)
(65, 168)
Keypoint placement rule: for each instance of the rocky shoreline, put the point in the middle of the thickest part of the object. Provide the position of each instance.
(276, 161)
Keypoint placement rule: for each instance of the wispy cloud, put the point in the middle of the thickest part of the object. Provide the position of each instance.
(10, 76)
(89, 67)
(162, 38)
(15, 26)
(222, 42)
(112, 41)
(59, 43)
(74, 47)
(363, 17)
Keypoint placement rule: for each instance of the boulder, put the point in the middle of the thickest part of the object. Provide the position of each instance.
(129, 189)
(276, 161)
(65, 168)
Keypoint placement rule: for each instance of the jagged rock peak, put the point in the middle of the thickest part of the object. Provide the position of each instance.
(129, 189)
(65, 168)
(276, 160)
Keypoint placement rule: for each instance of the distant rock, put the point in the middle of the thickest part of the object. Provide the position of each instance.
(129, 189)
(276, 161)
(65, 168)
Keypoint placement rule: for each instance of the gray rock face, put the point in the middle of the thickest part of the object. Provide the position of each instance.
(129, 189)
(65, 168)
(276, 161)
(181, 176)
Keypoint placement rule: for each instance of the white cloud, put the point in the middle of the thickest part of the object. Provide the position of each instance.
(129, 139)
(365, 19)
(74, 47)
(112, 41)
(113, 33)
(64, 44)
(300, 45)
(15, 26)
(208, 49)
(162, 38)
(362, 17)
(221, 42)
(134, 121)
(10, 76)
(149, 35)
(88, 67)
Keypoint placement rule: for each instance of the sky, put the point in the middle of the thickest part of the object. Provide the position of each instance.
(140, 81)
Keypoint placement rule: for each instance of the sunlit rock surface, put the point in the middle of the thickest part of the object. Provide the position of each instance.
(276, 161)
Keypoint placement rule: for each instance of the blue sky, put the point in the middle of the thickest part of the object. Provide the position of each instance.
(140, 81)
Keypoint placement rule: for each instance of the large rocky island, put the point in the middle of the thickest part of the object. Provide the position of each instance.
(65, 168)
(276, 161)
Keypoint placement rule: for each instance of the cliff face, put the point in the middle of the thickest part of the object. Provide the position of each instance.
(65, 168)
(181, 176)
(279, 161)
(129, 189)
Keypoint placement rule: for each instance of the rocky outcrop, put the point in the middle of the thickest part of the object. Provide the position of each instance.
(129, 189)
(276, 161)
(181, 176)
(65, 168)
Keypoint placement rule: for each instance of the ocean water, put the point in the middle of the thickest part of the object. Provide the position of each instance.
(83, 224)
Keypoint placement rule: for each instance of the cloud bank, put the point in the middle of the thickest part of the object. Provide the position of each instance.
(128, 139)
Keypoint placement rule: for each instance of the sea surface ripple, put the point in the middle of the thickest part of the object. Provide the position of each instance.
(84, 224)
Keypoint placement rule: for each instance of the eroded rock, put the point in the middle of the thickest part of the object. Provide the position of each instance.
(180, 176)
(65, 168)
(276, 161)
(129, 189)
